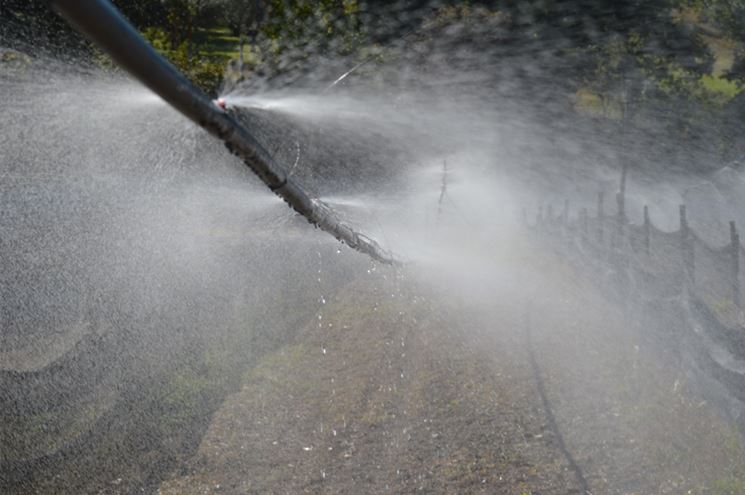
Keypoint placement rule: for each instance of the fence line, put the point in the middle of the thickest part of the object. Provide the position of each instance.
(675, 282)
(701, 265)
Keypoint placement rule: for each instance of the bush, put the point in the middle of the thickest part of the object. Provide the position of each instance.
(204, 71)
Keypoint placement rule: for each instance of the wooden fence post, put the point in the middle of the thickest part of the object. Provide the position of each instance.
(584, 224)
(735, 247)
(686, 247)
(539, 216)
(601, 216)
(620, 219)
(647, 229)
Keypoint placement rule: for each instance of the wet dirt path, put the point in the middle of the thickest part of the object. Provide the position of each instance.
(398, 389)
(629, 416)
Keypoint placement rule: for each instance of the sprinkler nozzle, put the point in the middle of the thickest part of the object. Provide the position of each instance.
(220, 103)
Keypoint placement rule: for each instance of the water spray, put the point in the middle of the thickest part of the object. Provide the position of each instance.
(100, 21)
(443, 189)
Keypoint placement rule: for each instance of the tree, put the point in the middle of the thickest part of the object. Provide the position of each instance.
(30, 24)
(244, 18)
(142, 13)
(729, 17)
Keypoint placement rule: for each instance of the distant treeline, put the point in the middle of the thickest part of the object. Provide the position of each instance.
(674, 68)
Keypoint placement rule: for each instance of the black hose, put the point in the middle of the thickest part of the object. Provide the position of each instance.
(552, 424)
(102, 23)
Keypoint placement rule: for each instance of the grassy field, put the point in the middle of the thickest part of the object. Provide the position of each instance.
(217, 44)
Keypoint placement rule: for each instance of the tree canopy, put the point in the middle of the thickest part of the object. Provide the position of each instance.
(620, 60)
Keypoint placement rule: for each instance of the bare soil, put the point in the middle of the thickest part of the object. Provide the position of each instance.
(397, 388)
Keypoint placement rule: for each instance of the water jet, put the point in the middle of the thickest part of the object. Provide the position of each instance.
(103, 24)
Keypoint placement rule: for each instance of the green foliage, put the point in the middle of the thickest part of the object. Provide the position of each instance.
(243, 17)
(649, 52)
(184, 400)
(721, 89)
(203, 60)
(325, 25)
(728, 18)
(624, 57)
(14, 62)
(729, 486)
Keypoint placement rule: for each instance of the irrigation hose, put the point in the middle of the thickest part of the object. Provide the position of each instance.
(548, 410)
(100, 21)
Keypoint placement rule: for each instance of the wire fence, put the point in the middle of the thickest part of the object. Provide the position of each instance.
(660, 263)
(685, 284)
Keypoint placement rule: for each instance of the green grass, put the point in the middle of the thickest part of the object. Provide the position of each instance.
(217, 43)
(721, 86)
(203, 60)
(728, 486)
